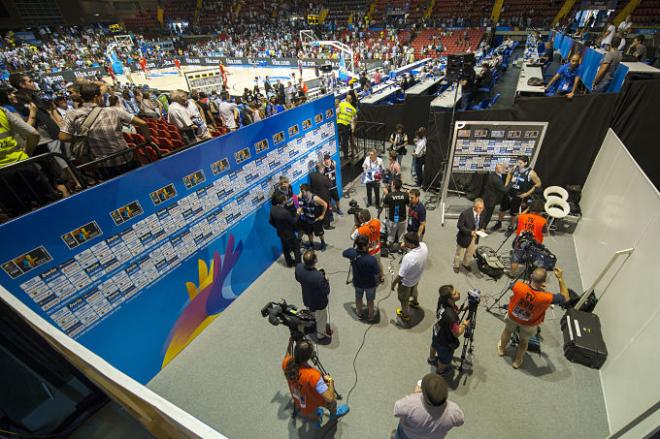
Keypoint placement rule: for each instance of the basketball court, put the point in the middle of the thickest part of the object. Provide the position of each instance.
(238, 77)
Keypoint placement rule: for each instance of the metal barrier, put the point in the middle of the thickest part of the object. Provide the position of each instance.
(25, 186)
(369, 135)
(106, 167)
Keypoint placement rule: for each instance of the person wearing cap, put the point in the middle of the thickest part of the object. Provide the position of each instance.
(427, 413)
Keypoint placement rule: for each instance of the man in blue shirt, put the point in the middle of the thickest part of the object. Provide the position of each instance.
(567, 78)
(366, 272)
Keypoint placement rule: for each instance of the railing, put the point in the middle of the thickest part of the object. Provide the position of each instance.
(25, 186)
(369, 135)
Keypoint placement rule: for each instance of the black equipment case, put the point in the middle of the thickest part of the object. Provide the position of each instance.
(488, 262)
(583, 341)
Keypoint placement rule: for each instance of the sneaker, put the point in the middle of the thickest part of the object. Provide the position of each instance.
(342, 410)
(329, 227)
(500, 349)
(339, 212)
(516, 364)
(319, 413)
(323, 246)
(360, 315)
(432, 361)
(497, 226)
(401, 315)
(415, 304)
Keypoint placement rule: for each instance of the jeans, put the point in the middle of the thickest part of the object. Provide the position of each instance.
(413, 167)
(344, 137)
(419, 170)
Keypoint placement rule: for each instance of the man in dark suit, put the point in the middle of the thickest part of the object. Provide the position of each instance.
(494, 191)
(315, 291)
(285, 223)
(320, 185)
(469, 222)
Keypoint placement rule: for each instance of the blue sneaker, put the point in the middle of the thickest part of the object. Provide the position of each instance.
(319, 413)
(339, 212)
(342, 410)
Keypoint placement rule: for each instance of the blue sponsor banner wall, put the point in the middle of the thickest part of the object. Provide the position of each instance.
(136, 267)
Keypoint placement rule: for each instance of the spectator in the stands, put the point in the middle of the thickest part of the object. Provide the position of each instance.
(638, 49)
(467, 82)
(548, 51)
(625, 26)
(566, 79)
(104, 137)
(129, 103)
(148, 108)
(184, 114)
(608, 34)
(608, 66)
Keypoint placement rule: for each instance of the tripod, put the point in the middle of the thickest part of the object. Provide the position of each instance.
(524, 275)
(468, 339)
(315, 360)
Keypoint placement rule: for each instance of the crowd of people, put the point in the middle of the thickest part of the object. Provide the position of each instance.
(104, 116)
(427, 412)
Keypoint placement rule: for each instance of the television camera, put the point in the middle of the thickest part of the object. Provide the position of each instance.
(469, 307)
(300, 322)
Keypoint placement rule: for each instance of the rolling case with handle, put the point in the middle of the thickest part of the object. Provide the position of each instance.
(583, 340)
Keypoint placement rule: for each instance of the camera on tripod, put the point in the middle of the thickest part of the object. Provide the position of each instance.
(534, 254)
(300, 322)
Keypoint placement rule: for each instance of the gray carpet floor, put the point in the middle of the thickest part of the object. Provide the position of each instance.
(230, 376)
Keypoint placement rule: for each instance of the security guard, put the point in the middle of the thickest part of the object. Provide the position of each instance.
(346, 113)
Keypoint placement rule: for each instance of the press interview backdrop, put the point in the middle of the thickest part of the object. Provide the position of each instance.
(136, 267)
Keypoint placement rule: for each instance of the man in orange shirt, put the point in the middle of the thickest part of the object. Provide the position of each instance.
(531, 221)
(310, 390)
(370, 227)
(527, 310)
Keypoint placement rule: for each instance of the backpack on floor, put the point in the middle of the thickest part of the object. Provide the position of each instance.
(488, 262)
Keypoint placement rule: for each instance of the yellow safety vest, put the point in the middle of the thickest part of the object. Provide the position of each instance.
(10, 152)
(346, 113)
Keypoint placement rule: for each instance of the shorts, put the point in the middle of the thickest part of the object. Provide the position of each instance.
(316, 228)
(370, 293)
(511, 203)
(405, 293)
(526, 332)
(334, 194)
(444, 353)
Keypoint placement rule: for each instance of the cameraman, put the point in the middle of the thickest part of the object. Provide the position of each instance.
(531, 222)
(366, 272)
(527, 310)
(396, 202)
(369, 227)
(309, 389)
(446, 330)
(315, 291)
(410, 272)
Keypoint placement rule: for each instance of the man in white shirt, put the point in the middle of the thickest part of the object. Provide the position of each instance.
(410, 272)
(427, 413)
(625, 26)
(186, 118)
(373, 173)
(419, 155)
(608, 34)
(226, 111)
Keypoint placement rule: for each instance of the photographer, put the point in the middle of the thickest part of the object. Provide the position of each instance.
(398, 142)
(310, 390)
(315, 291)
(369, 227)
(373, 173)
(527, 310)
(446, 330)
(396, 203)
(522, 182)
(366, 272)
(285, 224)
(531, 222)
(312, 212)
(410, 272)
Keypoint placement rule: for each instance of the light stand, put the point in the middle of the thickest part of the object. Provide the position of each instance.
(445, 166)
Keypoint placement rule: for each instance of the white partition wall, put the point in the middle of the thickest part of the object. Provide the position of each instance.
(621, 209)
